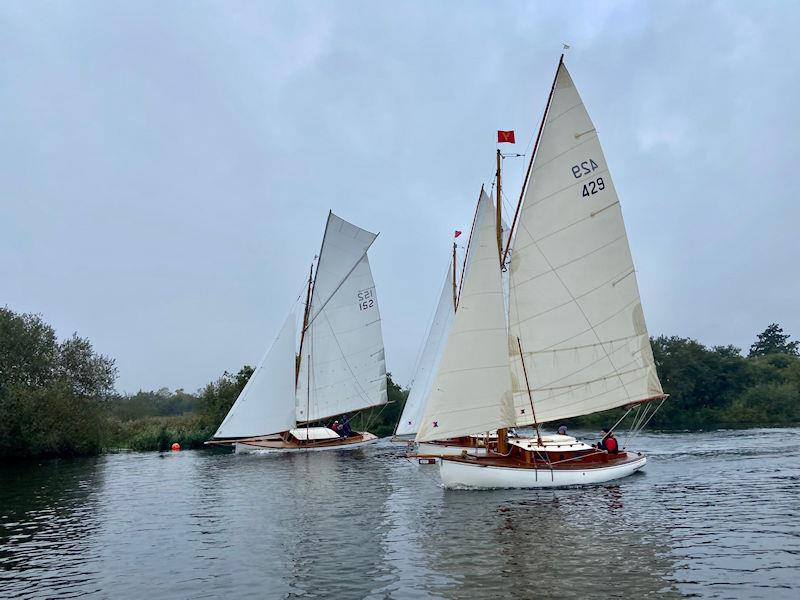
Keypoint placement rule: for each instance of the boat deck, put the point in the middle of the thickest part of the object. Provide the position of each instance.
(278, 443)
(561, 461)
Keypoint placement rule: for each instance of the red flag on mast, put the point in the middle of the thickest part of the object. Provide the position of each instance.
(505, 137)
(458, 233)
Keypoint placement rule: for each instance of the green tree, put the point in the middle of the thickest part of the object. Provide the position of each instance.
(773, 341)
(49, 392)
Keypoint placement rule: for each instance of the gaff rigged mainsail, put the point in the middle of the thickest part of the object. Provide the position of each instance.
(574, 300)
(342, 366)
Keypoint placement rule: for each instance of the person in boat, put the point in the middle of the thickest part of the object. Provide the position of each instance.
(346, 430)
(608, 442)
(562, 430)
(337, 428)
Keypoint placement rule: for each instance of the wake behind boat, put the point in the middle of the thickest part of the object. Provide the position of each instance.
(338, 367)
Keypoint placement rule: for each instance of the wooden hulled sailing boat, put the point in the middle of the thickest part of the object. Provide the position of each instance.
(338, 367)
(576, 341)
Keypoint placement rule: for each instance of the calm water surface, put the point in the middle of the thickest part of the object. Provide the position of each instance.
(714, 515)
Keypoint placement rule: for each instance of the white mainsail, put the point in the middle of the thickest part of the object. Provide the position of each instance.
(429, 359)
(267, 402)
(342, 366)
(574, 299)
(472, 387)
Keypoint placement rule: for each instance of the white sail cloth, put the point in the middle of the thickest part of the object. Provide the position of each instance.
(267, 403)
(574, 300)
(472, 387)
(342, 366)
(429, 359)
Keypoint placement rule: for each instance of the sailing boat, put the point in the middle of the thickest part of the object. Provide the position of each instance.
(576, 341)
(338, 368)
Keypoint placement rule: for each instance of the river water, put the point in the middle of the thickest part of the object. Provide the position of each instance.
(713, 515)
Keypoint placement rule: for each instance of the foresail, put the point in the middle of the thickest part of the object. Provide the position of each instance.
(342, 366)
(266, 404)
(471, 391)
(429, 359)
(574, 299)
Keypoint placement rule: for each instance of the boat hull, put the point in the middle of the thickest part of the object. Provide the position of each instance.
(272, 446)
(462, 474)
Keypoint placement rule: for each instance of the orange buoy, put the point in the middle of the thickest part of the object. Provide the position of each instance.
(176, 446)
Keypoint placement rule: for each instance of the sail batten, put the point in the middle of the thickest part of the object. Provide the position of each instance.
(574, 300)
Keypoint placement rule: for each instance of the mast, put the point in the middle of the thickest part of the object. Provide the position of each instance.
(455, 295)
(502, 433)
(498, 201)
(530, 163)
(305, 323)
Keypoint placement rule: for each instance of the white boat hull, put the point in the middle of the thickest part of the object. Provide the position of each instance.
(244, 448)
(461, 475)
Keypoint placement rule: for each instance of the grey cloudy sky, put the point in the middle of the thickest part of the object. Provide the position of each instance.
(166, 168)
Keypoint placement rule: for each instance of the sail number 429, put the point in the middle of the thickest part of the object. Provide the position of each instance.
(592, 187)
(366, 299)
(587, 167)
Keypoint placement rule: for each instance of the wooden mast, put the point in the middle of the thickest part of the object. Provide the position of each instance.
(305, 324)
(502, 433)
(498, 201)
(455, 295)
(502, 442)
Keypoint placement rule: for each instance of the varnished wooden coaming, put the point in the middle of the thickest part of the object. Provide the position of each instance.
(567, 460)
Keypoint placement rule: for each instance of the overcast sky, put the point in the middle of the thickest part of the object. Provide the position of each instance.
(166, 168)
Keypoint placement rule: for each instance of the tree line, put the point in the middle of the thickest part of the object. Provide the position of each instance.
(57, 398)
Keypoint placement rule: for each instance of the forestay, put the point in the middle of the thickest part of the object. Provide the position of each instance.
(429, 359)
(346, 370)
(472, 388)
(574, 300)
(267, 402)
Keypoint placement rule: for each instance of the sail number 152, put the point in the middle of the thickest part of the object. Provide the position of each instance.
(366, 300)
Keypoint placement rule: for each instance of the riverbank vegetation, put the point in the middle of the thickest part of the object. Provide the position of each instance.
(57, 398)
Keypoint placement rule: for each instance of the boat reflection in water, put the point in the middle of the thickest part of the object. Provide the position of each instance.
(559, 543)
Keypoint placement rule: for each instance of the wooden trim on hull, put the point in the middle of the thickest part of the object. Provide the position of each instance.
(271, 444)
(495, 472)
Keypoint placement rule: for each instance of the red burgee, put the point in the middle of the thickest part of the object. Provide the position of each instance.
(458, 233)
(505, 137)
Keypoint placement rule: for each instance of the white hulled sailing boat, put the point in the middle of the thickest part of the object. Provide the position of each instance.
(338, 367)
(576, 341)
